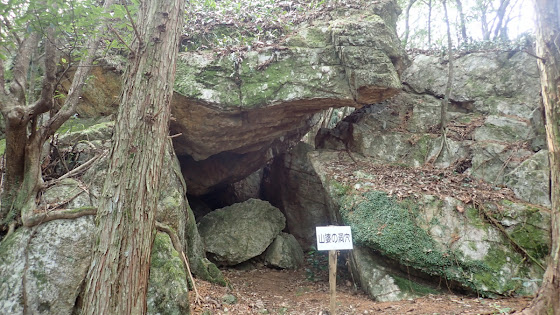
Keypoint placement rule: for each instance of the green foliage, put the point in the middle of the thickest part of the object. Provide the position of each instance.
(317, 264)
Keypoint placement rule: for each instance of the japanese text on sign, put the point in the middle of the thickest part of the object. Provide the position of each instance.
(334, 237)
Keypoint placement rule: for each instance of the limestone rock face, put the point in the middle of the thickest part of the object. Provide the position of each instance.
(439, 236)
(495, 135)
(495, 121)
(237, 233)
(284, 252)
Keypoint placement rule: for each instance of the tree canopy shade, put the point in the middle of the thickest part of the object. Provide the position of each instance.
(422, 26)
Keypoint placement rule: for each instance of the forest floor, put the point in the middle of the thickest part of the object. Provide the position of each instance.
(261, 290)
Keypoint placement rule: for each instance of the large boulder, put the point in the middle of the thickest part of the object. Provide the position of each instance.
(237, 233)
(42, 269)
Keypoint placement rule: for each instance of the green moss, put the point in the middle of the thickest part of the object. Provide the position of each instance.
(497, 259)
(422, 149)
(2, 146)
(79, 124)
(338, 188)
(390, 227)
(406, 285)
(475, 218)
(533, 239)
(313, 37)
(166, 257)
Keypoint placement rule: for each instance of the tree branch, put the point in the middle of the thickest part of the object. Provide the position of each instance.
(65, 214)
(21, 66)
(133, 25)
(45, 102)
(80, 76)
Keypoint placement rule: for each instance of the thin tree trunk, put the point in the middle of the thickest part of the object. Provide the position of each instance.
(462, 23)
(407, 20)
(445, 101)
(429, 23)
(547, 300)
(117, 280)
(500, 31)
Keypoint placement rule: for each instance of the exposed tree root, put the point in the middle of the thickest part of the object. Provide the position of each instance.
(444, 145)
(177, 245)
(64, 214)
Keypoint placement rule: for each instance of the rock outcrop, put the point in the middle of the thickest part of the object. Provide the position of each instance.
(406, 229)
(233, 112)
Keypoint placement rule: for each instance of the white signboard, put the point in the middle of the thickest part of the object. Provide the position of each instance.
(334, 237)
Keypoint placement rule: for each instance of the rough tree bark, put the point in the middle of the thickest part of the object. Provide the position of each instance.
(547, 300)
(117, 280)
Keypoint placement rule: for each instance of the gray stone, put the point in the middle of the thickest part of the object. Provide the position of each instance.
(44, 267)
(284, 252)
(498, 84)
(530, 181)
(229, 299)
(491, 161)
(294, 187)
(376, 279)
(440, 236)
(503, 129)
(237, 233)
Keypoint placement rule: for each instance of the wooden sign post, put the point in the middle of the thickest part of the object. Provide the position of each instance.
(333, 238)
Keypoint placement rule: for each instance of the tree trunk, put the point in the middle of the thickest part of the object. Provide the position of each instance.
(429, 23)
(406, 21)
(117, 280)
(462, 23)
(445, 101)
(500, 31)
(547, 300)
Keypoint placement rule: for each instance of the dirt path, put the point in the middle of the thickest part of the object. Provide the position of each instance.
(268, 291)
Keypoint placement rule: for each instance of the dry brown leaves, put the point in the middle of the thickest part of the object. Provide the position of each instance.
(402, 182)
